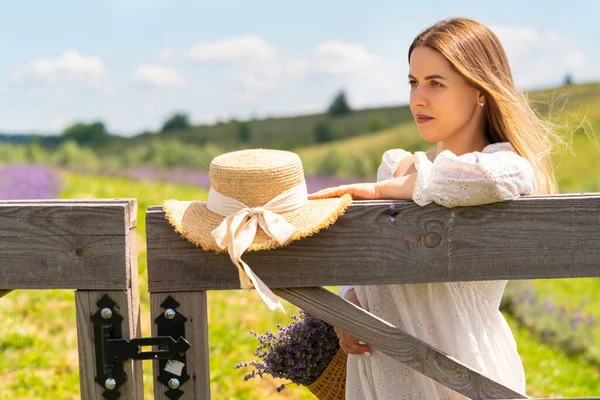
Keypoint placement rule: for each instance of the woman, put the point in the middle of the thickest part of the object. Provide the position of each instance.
(491, 147)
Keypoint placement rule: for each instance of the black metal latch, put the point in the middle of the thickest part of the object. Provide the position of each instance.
(112, 349)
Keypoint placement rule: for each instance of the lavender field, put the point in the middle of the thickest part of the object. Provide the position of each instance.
(184, 176)
(23, 181)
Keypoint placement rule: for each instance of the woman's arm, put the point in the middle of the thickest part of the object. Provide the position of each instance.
(396, 188)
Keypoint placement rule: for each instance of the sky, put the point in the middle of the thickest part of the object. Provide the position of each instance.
(131, 63)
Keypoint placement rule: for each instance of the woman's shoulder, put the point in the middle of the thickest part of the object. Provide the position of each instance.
(401, 162)
(395, 154)
(499, 146)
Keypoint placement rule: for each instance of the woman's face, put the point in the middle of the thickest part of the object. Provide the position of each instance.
(439, 92)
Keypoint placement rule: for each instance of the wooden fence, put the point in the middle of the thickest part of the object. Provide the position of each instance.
(90, 246)
(386, 242)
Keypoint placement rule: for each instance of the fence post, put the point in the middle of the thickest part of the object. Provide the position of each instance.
(128, 304)
(193, 306)
(85, 304)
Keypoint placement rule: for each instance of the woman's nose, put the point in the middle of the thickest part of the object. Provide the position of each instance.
(418, 98)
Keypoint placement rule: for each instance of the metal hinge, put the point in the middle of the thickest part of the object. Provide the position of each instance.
(112, 349)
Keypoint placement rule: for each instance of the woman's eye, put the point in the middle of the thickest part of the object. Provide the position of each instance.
(435, 84)
(412, 83)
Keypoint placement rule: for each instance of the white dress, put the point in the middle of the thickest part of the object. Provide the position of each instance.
(461, 319)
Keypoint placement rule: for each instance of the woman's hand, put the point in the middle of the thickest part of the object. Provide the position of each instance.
(358, 191)
(348, 343)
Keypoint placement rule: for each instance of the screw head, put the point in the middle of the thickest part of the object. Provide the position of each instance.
(170, 313)
(110, 384)
(174, 383)
(106, 313)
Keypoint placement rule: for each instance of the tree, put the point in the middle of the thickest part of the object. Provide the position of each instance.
(322, 132)
(91, 135)
(244, 132)
(339, 105)
(377, 122)
(176, 122)
(568, 79)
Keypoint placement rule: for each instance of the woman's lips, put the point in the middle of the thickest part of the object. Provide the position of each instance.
(422, 120)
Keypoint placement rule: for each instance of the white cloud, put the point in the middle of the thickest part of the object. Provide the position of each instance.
(158, 76)
(541, 57)
(367, 77)
(241, 48)
(338, 57)
(70, 68)
(166, 54)
(269, 74)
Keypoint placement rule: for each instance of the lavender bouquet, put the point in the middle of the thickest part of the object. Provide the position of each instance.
(299, 352)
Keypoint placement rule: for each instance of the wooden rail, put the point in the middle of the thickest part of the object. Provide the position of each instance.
(387, 242)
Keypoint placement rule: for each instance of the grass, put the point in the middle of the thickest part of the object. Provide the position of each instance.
(551, 373)
(39, 351)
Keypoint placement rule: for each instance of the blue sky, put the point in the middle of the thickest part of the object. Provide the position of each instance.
(133, 63)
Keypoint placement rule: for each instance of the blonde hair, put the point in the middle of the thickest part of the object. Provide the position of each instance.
(475, 52)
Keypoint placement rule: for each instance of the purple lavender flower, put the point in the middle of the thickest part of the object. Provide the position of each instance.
(589, 321)
(299, 352)
(578, 319)
(24, 182)
(549, 307)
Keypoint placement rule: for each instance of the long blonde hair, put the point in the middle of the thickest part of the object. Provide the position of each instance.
(476, 53)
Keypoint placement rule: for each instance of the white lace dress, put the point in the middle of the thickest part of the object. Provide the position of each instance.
(460, 318)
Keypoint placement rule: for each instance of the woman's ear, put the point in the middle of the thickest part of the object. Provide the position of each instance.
(480, 97)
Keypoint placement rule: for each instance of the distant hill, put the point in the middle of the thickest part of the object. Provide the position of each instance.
(279, 132)
(21, 138)
(295, 132)
(318, 133)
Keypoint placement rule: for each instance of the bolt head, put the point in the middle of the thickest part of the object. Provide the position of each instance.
(174, 383)
(110, 384)
(106, 313)
(170, 313)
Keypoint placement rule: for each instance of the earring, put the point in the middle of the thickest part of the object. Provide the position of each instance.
(482, 104)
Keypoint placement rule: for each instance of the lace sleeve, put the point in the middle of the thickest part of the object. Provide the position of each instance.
(389, 163)
(496, 174)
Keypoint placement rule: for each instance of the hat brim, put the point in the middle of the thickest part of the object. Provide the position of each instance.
(195, 222)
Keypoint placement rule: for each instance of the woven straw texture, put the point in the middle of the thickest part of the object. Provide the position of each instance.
(253, 177)
(331, 385)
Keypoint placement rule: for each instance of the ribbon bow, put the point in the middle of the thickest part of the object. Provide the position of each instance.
(238, 229)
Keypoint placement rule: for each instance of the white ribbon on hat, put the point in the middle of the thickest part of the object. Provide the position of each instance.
(238, 229)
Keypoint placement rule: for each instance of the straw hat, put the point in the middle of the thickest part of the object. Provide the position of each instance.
(254, 177)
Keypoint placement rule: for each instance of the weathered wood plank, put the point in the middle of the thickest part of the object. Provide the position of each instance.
(129, 203)
(193, 306)
(400, 242)
(133, 293)
(383, 336)
(56, 244)
(85, 304)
